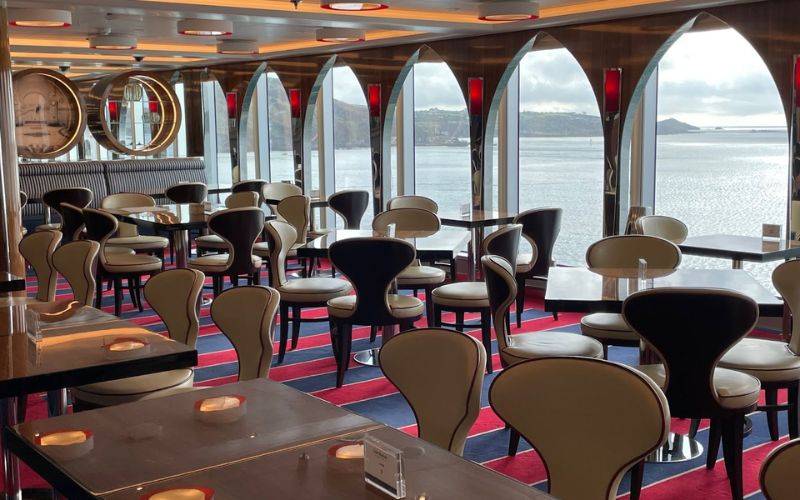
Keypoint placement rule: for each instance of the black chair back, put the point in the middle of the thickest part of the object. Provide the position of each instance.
(690, 329)
(501, 286)
(541, 227)
(239, 227)
(371, 265)
(351, 205)
(100, 225)
(79, 196)
(256, 185)
(71, 222)
(504, 243)
(187, 192)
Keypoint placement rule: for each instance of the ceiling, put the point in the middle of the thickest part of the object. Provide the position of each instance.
(278, 27)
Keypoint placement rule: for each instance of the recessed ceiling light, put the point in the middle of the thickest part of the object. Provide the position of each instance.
(508, 11)
(205, 27)
(237, 47)
(339, 35)
(337, 5)
(112, 42)
(40, 18)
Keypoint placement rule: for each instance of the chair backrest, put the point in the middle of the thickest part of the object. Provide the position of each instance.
(239, 227)
(37, 248)
(569, 410)
(71, 222)
(778, 476)
(786, 279)
(187, 192)
(23, 199)
(280, 236)
(625, 252)
(255, 185)
(351, 205)
(175, 296)
(504, 242)
(690, 329)
(406, 219)
(280, 190)
(540, 226)
(446, 395)
(125, 200)
(501, 286)
(296, 210)
(100, 226)
(77, 263)
(371, 265)
(662, 226)
(242, 199)
(78, 196)
(246, 316)
(413, 201)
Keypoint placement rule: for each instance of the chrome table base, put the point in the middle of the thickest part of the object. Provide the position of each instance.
(677, 448)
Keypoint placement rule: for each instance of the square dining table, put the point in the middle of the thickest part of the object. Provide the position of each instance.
(740, 248)
(476, 221)
(71, 345)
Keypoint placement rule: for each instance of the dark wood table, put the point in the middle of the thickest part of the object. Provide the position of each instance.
(740, 248)
(11, 283)
(72, 350)
(577, 289)
(476, 221)
(158, 439)
(311, 472)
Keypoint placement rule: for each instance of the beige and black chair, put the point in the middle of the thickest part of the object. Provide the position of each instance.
(350, 205)
(212, 243)
(72, 228)
(413, 201)
(624, 252)
(174, 295)
(37, 249)
(778, 476)
(662, 226)
(276, 192)
(114, 266)
(23, 200)
(184, 193)
(77, 263)
(569, 410)
(127, 234)
(296, 211)
(246, 316)
(254, 185)
(446, 395)
(690, 329)
(79, 196)
(296, 294)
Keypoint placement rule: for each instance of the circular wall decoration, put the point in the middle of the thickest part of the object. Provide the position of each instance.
(134, 113)
(50, 115)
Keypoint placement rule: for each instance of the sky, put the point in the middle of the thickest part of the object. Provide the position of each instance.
(707, 79)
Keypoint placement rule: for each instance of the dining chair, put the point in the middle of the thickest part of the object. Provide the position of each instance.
(296, 294)
(778, 477)
(77, 263)
(213, 242)
(569, 410)
(446, 395)
(277, 191)
(624, 252)
(472, 296)
(775, 363)
(37, 249)
(690, 329)
(255, 185)
(540, 228)
(413, 201)
(184, 193)
(296, 211)
(174, 296)
(127, 234)
(662, 226)
(350, 205)
(114, 266)
(23, 200)
(239, 228)
(78, 196)
(371, 265)
(71, 222)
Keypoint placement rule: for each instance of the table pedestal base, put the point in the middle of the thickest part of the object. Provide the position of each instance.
(368, 357)
(677, 448)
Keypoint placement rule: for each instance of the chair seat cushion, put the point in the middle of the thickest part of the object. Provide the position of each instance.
(211, 241)
(141, 242)
(421, 275)
(734, 389)
(261, 249)
(48, 227)
(766, 360)
(216, 263)
(120, 251)
(544, 344)
(524, 263)
(464, 294)
(124, 263)
(402, 306)
(130, 389)
(607, 327)
(314, 290)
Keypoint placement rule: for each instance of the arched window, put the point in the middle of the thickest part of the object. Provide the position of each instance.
(281, 160)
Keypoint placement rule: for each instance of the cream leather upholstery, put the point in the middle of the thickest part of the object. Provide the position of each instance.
(313, 289)
(421, 276)
(123, 262)
(668, 228)
(217, 263)
(778, 476)
(607, 326)
(569, 410)
(734, 389)
(246, 316)
(77, 261)
(462, 294)
(131, 389)
(401, 306)
(419, 221)
(413, 201)
(446, 395)
(526, 261)
(139, 242)
(281, 190)
(296, 210)
(127, 200)
(241, 199)
(37, 248)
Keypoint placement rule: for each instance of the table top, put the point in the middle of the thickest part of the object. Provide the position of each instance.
(751, 248)
(173, 217)
(155, 439)
(315, 202)
(11, 283)
(477, 218)
(311, 472)
(443, 244)
(74, 348)
(577, 289)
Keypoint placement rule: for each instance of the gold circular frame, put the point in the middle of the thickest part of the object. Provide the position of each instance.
(77, 105)
(157, 88)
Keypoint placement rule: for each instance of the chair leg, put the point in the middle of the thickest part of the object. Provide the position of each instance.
(437, 316)
(428, 305)
(486, 334)
(98, 287)
(22, 407)
(138, 290)
(771, 399)
(694, 426)
(295, 327)
(520, 300)
(637, 477)
(714, 435)
(555, 315)
(117, 296)
(794, 392)
(460, 321)
(284, 320)
(732, 436)
(132, 290)
(453, 274)
(333, 326)
(513, 442)
(345, 346)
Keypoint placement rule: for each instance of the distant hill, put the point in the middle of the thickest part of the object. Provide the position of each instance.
(673, 126)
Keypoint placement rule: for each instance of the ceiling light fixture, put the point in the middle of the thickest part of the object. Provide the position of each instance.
(40, 18)
(351, 6)
(237, 47)
(112, 42)
(514, 10)
(340, 35)
(205, 27)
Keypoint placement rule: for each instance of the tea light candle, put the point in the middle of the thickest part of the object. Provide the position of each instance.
(221, 409)
(66, 445)
(125, 346)
(190, 493)
(351, 451)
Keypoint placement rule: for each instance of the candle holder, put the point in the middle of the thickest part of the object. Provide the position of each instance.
(220, 409)
(67, 444)
(123, 347)
(185, 493)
